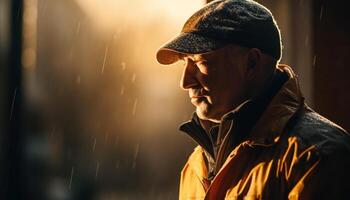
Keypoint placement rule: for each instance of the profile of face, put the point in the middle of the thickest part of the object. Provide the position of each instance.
(215, 81)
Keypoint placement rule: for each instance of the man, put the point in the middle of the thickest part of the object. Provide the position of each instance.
(257, 138)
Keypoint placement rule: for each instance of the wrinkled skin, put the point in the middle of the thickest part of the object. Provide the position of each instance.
(216, 81)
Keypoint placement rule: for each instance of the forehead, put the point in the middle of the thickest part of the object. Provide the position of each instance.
(215, 54)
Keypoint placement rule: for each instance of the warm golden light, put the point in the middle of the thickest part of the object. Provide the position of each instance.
(91, 77)
(30, 15)
(120, 13)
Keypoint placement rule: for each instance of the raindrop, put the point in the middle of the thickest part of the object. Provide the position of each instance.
(314, 61)
(94, 146)
(104, 60)
(134, 107)
(18, 12)
(71, 178)
(122, 90)
(136, 153)
(133, 78)
(117, 164)
(123, 66)
(78, 79)
(13, 103)
(78, 28)
(321, 12)
(97, 169)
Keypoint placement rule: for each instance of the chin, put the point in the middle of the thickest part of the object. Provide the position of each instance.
(205, 114)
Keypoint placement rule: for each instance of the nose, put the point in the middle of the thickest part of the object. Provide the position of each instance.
(188, 79)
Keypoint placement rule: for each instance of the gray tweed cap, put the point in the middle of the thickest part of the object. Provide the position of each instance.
(222, 22)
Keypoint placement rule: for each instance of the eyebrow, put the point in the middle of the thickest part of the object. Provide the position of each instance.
(198, 57)
(194, 57)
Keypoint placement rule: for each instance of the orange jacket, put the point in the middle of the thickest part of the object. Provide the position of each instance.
(291, 153)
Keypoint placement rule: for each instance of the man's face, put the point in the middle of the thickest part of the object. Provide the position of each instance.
(215, 81)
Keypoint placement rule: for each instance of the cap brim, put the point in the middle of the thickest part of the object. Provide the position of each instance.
(186, 43)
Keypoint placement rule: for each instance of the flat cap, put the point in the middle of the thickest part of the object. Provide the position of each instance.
(222, 22)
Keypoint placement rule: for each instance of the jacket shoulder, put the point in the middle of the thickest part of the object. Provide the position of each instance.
(313, 129)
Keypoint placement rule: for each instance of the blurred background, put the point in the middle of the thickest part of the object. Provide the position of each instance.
(87, 113)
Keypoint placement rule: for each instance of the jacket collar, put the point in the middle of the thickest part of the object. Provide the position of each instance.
(197, 133)
(282, 107)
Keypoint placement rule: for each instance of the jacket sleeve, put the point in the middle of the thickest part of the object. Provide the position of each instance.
(327, 178)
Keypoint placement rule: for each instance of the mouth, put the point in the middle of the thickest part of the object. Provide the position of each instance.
(196, 97)
(196, 100)
(196, 93)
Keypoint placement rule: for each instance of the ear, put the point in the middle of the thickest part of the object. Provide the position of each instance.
(254, 56)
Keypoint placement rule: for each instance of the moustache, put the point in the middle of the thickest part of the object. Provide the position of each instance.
(197, 93)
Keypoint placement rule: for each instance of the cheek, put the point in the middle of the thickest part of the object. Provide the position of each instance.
(226, 82)
(230, 89)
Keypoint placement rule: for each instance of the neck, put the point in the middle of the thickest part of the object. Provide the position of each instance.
(208, 124)
(265, 87)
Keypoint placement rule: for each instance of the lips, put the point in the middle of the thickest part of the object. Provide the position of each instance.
(196, 93)
(197, 100)
(196, 97)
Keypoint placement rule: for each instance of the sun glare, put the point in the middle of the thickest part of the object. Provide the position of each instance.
(111, 13)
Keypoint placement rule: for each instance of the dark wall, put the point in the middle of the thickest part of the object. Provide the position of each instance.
(10, 92)
(331, 70)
